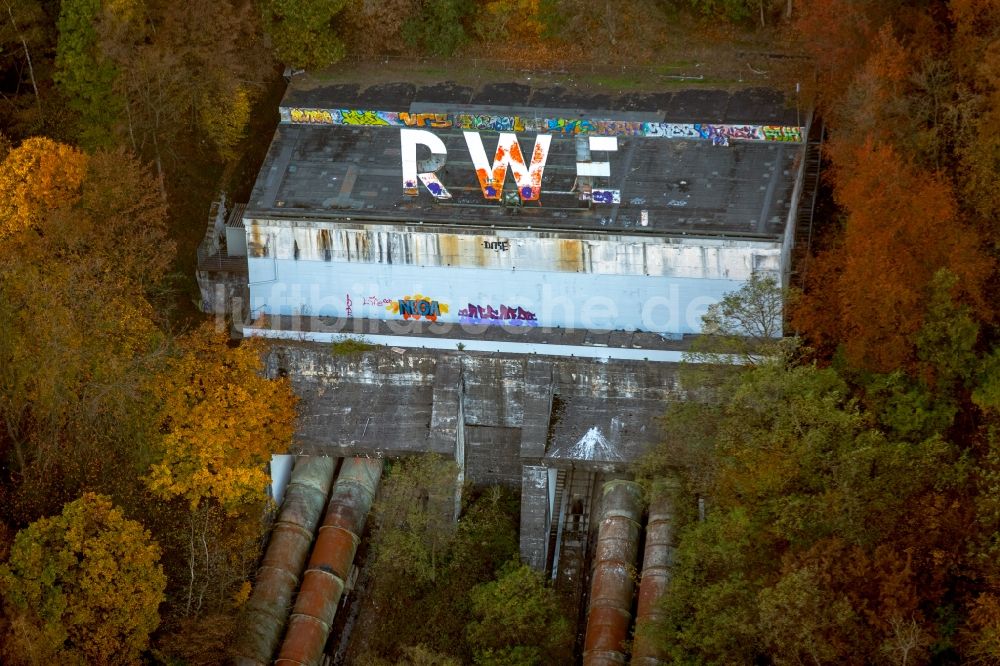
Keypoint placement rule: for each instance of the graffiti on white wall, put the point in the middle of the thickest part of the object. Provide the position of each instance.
(505, 315)
(417, 307)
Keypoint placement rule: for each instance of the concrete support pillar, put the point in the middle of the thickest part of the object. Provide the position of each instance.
(535, 515)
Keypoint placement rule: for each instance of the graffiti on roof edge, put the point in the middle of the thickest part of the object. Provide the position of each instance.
(717, 133)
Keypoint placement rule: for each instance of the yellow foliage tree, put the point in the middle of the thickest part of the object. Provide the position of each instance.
(36, 177)
(221, 420)
(83, 587)
(225, 119)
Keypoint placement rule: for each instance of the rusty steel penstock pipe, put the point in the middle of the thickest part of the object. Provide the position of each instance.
(657, 561)
(612, 587)
(266, 610)
(330, 563)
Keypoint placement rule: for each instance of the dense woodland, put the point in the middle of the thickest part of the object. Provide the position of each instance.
(851, 472)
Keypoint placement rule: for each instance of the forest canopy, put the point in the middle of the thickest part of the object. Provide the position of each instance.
(851, 473)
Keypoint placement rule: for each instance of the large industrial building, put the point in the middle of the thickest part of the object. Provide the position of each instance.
(532, 262)
(514, 208)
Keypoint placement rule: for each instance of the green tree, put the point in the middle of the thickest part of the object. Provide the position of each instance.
(987, 391)
(86, 586)
(303, 32)
(415, 521)
(812, 513)
(85, 76)
(746, 324)
(413, 610)
(439, 27)
(518, 621)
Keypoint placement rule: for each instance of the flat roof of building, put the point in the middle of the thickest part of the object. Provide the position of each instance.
(687, 162)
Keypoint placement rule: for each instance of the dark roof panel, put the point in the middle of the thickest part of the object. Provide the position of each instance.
(676, 185)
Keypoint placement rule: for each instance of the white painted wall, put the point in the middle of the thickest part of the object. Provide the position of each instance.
(655, 284)
(281, 471)
(554, 300)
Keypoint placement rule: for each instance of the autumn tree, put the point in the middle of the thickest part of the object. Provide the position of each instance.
(77, 333)
(620, 32)
(149, 73)
(36, 177)
(732, 10)
(185, 68)
(374, 27)
(82, 587)
(902, 226)
(511, 28)
(975, 57)
(221, 420)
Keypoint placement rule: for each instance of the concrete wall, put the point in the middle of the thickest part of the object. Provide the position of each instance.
(384, 403)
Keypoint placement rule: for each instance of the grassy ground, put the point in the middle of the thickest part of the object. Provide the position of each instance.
(750, 70)
(670, 51)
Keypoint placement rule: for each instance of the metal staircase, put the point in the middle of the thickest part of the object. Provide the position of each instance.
(804, 214)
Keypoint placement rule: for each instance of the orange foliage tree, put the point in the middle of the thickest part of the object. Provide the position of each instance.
(219, 421)
(902, 226)
(85, 241)
(35, 177)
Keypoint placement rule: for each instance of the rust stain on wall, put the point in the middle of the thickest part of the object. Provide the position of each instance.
(570, 255)
(256, 241)
(448, 249)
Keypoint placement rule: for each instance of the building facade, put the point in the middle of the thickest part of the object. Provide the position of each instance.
(514, 216)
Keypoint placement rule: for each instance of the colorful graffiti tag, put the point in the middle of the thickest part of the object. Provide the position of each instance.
(717, 133)
(418, 307)
(506, 315)
(606, 196)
